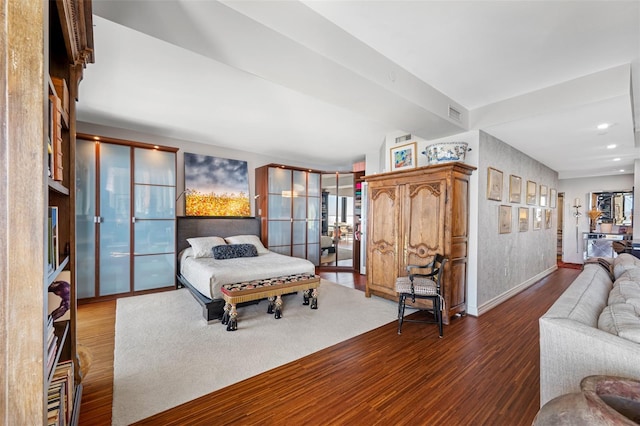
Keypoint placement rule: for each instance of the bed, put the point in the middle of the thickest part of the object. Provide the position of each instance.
(204, 275)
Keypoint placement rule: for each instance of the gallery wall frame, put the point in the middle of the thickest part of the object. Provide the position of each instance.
(537, 218)
(531, 192)
(504, 219)
(515, 189)
(523, 219)
(403, 157)
(494, 184)
(547, 218)
(543, 195)
(553, 198)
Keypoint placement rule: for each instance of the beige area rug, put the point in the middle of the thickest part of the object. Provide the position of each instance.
(166, 354)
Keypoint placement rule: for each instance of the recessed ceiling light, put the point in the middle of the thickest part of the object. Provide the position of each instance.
(616, 159)
(621, 170)
(603, 126)
(613, 145)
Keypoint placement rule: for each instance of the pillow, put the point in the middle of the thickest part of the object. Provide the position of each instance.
(248, 239)
(232, 251)
(622, 320)
(202, 245)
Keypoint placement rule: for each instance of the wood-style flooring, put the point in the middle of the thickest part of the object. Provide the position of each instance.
(485, 371)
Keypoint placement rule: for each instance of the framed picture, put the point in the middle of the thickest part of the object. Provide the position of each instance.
(504, 220)
(494, 184)
(515, 189)
(523, 219)
(403, 157)
(553, 198)
(543, 195)
(537, 218)
(547, 218)
(531, 192)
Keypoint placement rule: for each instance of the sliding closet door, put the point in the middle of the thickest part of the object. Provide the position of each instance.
(85, 218)
(114, 218)
(154, 219)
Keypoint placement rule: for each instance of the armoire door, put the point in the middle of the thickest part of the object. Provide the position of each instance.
(382, 233)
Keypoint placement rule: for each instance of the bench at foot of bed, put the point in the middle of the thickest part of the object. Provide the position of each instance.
(272, 289)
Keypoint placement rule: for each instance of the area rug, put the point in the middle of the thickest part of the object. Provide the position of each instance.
(166, 354)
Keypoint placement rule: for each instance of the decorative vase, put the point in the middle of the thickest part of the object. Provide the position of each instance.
(446, 152)
(605, 228)
(603, 400)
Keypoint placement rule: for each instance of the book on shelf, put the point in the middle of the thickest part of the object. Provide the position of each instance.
(54, 251)
(63, 375)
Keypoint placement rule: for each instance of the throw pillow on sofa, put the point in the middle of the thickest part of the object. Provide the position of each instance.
(621, 319)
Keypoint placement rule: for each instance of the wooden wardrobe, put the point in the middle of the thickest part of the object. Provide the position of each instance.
(412, 215)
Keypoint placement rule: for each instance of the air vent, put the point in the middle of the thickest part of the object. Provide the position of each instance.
(403, 138)
(454, 113)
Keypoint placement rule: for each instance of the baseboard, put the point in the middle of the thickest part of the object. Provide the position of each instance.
(485, 307)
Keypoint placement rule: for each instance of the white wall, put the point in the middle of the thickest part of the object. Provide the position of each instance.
(572, 248)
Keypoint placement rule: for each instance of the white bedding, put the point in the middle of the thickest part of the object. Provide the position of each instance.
(207, 274)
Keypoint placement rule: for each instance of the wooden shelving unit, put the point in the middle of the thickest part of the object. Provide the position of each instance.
(45, 46)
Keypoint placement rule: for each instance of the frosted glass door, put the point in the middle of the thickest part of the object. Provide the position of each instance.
(85, 218)
(154, 219)
(280, 193)
(115, 219)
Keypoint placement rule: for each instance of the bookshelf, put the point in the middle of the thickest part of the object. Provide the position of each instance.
(45, 46)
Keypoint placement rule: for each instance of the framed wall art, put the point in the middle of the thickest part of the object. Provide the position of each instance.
(531, 192)
(215, 186)
(494, 184)
(543, 195)
(523, 219)
(515, 189)
(537, 218)
(553, 198)
(504, 220)
(403, 157)
(547, 218)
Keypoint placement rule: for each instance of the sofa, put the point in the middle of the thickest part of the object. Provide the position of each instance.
(593, 328)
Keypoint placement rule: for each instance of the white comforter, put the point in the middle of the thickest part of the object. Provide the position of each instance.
(207, 274)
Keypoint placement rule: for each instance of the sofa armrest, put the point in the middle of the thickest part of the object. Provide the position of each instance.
(571, 350)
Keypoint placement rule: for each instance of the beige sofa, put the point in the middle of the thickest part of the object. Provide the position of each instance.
(593, 328)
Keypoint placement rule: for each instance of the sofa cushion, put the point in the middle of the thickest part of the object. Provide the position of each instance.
(625, 292)
(621, 319)
(632, 275)
(585, 298)
(624, 262)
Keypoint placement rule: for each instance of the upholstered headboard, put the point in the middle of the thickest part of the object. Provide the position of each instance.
(202, 226)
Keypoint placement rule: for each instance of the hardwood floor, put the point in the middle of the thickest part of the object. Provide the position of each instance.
(484, 371)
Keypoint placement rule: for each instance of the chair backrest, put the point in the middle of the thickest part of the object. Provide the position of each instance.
(436, 269)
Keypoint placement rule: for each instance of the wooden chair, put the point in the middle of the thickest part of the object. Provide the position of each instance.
(423, 282)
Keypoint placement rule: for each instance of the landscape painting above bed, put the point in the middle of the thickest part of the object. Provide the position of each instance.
(215, 186)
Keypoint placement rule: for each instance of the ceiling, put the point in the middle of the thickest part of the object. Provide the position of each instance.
(321, 83)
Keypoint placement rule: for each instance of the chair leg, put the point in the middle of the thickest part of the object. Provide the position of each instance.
(438, 313)
(401, 302)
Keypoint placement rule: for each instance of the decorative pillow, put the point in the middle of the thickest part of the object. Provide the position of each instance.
(248, 239)
(622, 320)
(202, 245)
(232, 251)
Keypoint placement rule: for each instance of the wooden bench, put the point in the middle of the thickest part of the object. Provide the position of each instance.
(270, 288)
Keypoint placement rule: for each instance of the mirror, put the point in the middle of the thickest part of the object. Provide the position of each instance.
(616, 207)
(336, 240)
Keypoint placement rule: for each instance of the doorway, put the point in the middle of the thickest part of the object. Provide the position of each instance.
(338, 220)
(560, 226)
